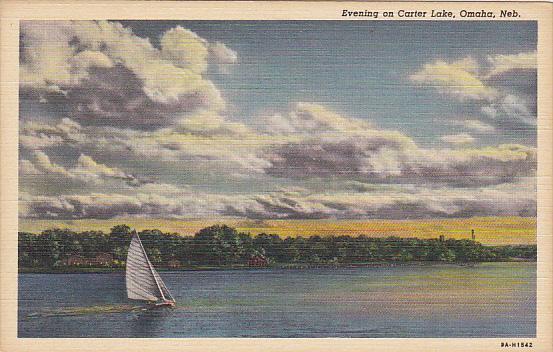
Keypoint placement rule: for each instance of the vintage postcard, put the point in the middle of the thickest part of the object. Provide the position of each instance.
(296, 176)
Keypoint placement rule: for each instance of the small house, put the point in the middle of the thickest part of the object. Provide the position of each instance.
(173, 264)
(258, 261)
(75, 260)
(103, 259)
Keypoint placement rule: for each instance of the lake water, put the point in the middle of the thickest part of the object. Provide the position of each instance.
(486, 300)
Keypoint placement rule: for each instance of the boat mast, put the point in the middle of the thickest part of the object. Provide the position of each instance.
(151, 268)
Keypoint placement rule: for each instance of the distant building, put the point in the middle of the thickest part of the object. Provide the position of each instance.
(75, 260)
(442, 238)
(473, 235)
(101, 259)
(173, 264)
(258, 261)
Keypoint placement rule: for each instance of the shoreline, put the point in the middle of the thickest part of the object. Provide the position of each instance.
(100, 270)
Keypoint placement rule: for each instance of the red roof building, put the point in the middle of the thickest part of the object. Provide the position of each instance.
(258, 261)
(101, 259)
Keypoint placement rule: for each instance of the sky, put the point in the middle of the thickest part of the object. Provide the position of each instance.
(277, 119)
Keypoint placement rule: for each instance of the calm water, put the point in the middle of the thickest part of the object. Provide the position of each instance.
(487, 300)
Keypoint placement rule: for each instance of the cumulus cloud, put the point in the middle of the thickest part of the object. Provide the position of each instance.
(382, 165)
(88, 169)
(381, 156)
(222, 56)
(506, 63)
(504, 86)
(510, 105)
(308, 119)
(85, 170)
(223, 146)
(43, 165)
(458, 78)
(185, 49)
(121, 127)
(458, 139)
(106, 75)
(369, 161)
(209, 124)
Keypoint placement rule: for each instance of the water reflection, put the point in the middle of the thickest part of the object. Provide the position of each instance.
(150, 322)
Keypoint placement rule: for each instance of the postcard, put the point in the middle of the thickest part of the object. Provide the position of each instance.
(295, 176)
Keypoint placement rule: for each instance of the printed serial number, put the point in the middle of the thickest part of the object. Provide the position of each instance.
(516, 344)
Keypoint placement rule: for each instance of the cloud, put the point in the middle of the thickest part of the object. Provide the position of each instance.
(380, 156)
(105, 75)
(320, 144)
(185, 49)
(459, 79)
(92, 206)
(209, 124)
(475, 125)
(503, 86)
(308, 119)
(165, 201)
(378, 163)
(88, 169)
(112, 126)
(151, 200)
(42, 164)
(505, 63)
(458, 139)
(26, 167)
(86, 59)
(511, 106)
(419, 202)
(347, 157)
(85, 171)
(35, 135)
(221, 145)
(280, 205)
(222, 56)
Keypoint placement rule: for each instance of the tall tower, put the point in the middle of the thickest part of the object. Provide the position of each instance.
(473, 235)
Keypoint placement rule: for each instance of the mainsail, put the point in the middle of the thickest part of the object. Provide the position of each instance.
(143, 281)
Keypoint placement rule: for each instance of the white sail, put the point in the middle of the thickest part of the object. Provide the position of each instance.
(164, 290)
(143, 281)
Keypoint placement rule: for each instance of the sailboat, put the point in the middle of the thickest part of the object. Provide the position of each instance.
(143, 281)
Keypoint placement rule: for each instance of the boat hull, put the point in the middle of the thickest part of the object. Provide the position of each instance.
(167, 304)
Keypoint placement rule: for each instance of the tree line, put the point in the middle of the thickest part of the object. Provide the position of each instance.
(221, 245)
